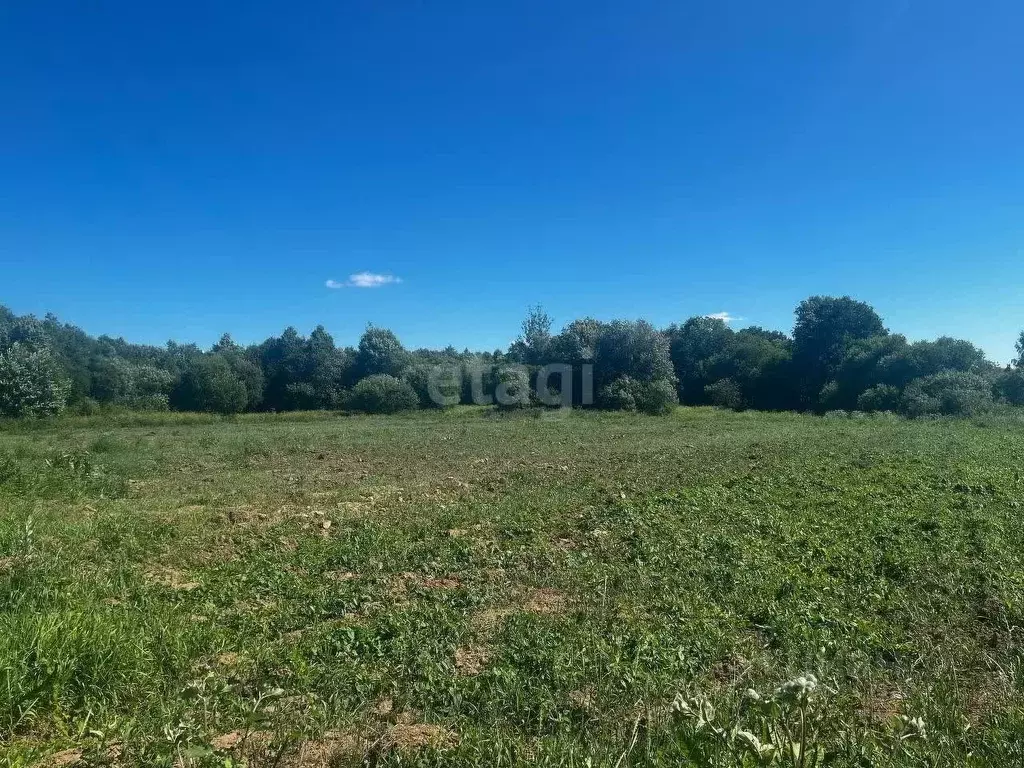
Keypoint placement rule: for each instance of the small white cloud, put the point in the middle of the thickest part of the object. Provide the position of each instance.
(725, 317)
(364, 280)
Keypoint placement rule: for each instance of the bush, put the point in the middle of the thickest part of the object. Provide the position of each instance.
(86, 407)
(620, 395)
(512, 388)
(882, 397)
(382, 393)
(950, 393)
(1011, 386)
(31, 384)
(725, 393)
(627, 394)
(656, 397)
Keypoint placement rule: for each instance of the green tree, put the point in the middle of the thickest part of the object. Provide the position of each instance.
(865, 364)
(531, 348)
(825, 328)
(379, 352)
(210, 384)
(31, 383)
(1010, 385)
(512, 387)
(1019, 362)
(631, 348)
(696, 350)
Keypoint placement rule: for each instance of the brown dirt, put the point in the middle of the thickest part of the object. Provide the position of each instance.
(418, 736)
(226, 741)
(471, 660)
(261, 750)
(61, 759)
(546, 601)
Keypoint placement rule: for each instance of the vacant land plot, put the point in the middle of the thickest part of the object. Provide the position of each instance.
(469, 589)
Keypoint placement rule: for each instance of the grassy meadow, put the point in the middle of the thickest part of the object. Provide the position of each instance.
(467, 588)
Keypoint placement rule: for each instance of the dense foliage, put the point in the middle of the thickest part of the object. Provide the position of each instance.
(840, 357)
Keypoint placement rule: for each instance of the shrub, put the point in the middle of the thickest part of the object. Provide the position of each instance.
(1011, 386)
(31, 383)
(950, 393)
(86, 407)
(620, 395)
(882, 397)
(382, 393)
(656, 397)
(627, 394)
(512, 388)
(725, 393)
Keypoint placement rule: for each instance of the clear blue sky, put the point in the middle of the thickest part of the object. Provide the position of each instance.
(177, 170)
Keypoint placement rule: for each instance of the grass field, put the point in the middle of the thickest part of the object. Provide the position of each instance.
(464, 588)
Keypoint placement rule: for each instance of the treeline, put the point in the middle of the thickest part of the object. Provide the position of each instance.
(840, 356)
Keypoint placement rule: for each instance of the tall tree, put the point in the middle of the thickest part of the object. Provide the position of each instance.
(696, 346)
(531, 347)
(825, 328)
(31, 382)
(379, 352)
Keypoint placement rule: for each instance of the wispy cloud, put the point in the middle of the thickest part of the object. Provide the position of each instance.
(725, 317)
(364, 280)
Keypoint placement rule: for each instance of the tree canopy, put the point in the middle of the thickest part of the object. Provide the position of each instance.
(840, 357)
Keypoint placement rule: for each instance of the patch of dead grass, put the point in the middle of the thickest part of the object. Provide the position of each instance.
(471, 660)
(414, 736)
(171, 578)
(545, 600)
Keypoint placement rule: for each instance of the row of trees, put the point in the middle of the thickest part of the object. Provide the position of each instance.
(840, 356)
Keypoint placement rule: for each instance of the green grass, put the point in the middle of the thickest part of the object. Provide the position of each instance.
(465, 588)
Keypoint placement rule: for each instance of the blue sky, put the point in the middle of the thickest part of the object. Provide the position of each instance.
(177, 170)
